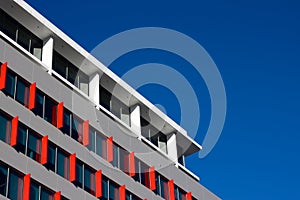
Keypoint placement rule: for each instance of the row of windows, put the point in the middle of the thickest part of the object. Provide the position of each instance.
(46, 108)
(13, 185)
(59, 161)
(20, 34)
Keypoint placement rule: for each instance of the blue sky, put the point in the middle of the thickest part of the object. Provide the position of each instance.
(255, 45)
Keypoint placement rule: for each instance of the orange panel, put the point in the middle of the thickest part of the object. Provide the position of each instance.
(60, 115)
(110, 153)
(14, 131)
(57, 196)
(188, 196)
(131, 164)
(122, 192)
(152, 185)
(44, 151)
(98, 181)
(85, 127)
(32, 91)
(171, 190)
(72, 172)
(3, 75)
(26, 187)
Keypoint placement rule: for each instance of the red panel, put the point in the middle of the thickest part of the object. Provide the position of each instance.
(85, 127)
(26, 187)
(72, 172)
(32, 91)
(14, 131)
(110, 153)
(131, 164)
(3, 75)
(152, 185)
(122, 192)
(60, 115)
(57, 196)
(98, 180)
(171, 190)
(44, 151)
(188, 196)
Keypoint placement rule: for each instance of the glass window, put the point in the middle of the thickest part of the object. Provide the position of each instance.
(104, 188)
(46, 194)
(59, 64)
(163, 187)
(75, 127)
(115, 161)
(72, 74)
(89, 180)
(79, 174)
(39, 103)
(137, 176)
(9, 27)
(34, 190)
(34, 146)
(4, 124)
(50, 106)
(124, 160)
(91, 145)
(51, 157)
(22, 92)
(10, 84)
(144, 172)
(21, 140)
(3, 180)
(127, 196)
(105, 98)
(100, 145)
(162, 142)
(15, 186)
(24, 38)
(36, 46)
(67, 120)
(62, 163)
(83, 82)
(113, 191)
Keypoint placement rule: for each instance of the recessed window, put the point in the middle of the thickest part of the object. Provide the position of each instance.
(62, 164)
(39, 104)
(21, 139)
(34, 146)
(51, 157)
(79, 174)
(10, 84)
(22, 91)
(34, 191)
(15, 185)
(4, 122)
(3, 180)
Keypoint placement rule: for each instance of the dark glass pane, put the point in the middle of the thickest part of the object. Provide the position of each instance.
(36, 47)
(34, 146)
(51, 157)
(105, 98)
(15, 186)
(24, 38)
(100, 144)
(144, 170)
(89, 180)
(49, 109)
(113, 191)
(9, 27)
(39, 103)
(115, 161)
(91, 145)
(3, 179)
(83, 82)
(75, 126)
(62, 162)
(72, 74)
(46, 194)
(124, 160)
(127, 197)
(10, 84)
(136, 177)
(104, 188)
(3, 127)
(60, 64)
(66, 126)
(34, 191)
(163, 186)
(21, 140)
(79, 172)
(22, 92)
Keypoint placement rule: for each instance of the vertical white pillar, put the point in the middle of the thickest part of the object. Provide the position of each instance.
(94, 88)
(47, 54)
(172, 147)
(135, 120)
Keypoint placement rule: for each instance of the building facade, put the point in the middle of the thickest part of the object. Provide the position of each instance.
(71, 129)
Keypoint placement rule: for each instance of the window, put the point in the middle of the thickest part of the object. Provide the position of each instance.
(113, 191)
(89, 180)
(10, 84)
(9, 26)
(116, 157)
(100, 145)
(79, 174)
(15, 186)
(39, 104)
(49, 109)
(4, 128)
(104, 188)
(62, 163)
(60, 64)
(105, 98)
(75, 127)
(123, 160)
(51, 157)
(22, 91)
(21, 139)
(34, 146)
(67, 122)
(46, 194)
(91, 145)
(34, 190)
(3, 180)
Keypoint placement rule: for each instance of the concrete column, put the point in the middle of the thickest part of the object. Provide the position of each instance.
(47, 54)
(94, 88)
(172, 147)
(135, 119)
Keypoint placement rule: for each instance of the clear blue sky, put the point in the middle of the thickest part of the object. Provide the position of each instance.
(256, 46)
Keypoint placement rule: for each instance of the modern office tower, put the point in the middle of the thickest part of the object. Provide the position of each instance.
(71, 129)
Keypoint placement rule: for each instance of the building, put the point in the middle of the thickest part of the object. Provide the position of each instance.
(72, 129)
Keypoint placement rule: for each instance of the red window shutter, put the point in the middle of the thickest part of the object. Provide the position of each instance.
(26, 187)
(32, 91)
(122, 192)
(72, 170)
(14, 131)
(188, 196)
(60, 115)
(85, 131)
(57, 196)
(131, 164)
(150, 178)
(109, 144)
(171, 190)
(3, 75)
(98, 180)
(44, 150)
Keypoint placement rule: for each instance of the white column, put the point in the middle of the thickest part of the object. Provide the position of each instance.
(135, 120)
(172, 147)
(94, 88)
(47, 54)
